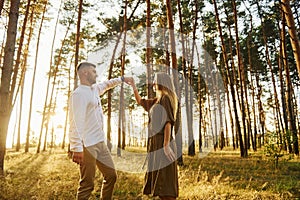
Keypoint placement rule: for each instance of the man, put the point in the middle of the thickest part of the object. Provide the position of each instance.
(86, 132)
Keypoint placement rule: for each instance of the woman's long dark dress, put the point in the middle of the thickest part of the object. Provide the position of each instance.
(161, 178)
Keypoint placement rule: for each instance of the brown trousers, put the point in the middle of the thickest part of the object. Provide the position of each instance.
(96, 155)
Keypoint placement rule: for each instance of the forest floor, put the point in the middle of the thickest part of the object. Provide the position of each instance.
(218, 175)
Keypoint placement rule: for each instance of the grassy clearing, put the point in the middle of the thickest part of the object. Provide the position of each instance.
(220, 175)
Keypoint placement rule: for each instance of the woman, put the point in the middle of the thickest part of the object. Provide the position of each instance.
(161, 178)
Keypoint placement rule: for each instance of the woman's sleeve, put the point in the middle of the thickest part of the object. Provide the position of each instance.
(147, 103)
(167, 115)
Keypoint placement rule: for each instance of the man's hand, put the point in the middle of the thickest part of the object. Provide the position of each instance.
(77, 157)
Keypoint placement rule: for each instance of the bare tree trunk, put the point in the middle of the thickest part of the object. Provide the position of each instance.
(191, 91)
(31, 29)
(230, 81)
(186, 81)
(296, 50)
(281, 63)
(292, 31)
(21, 86)
(150, 93)
(18, 145)
(67, 107)
(24, 66)
(77, 42)
(54, 74)
(242, 79)
(19, 52)
(49, 74)
(121, 125)
(5, 95)
(122, 73)
(34, 71)
(109, 144)
(200, 107)
(269, 64)
(292, 136)
(249, 48)
(178, 132)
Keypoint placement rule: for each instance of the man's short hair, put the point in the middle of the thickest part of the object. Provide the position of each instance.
(85, 64)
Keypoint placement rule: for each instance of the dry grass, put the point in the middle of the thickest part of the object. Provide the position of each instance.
(220, 175)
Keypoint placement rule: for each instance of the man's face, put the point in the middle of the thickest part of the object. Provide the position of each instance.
(91, 75)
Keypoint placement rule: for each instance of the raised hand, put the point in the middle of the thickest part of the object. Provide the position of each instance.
(129, 80)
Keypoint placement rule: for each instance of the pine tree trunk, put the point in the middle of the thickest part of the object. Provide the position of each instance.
(292, 31)
(150, 93)
(281, 63)
(20, 50)
(242, 80)
(191, 151)
(178, 132)
(30, 101)
(35, 66)
(123, 73)
(269, 64)
(249, 50)
(77, 42)
(231, 82)
(109, 110)
(5, 104)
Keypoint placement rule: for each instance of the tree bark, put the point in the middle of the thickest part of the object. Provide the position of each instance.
(19, 52)
(80, 3)
(5, 95)
(292, 32)
(177, 126)
(230, 81)
(34, 71)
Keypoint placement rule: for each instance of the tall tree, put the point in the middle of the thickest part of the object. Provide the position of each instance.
(20, 47)
(121, 125)
(242, 78)
(16, 68)
(177, 129)
(292, 31)
(230, 80)
(283, 64)
(80, 5)
(296, 49)
(34, 69)
(5, 87)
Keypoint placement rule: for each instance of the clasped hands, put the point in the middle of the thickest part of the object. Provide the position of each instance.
(129, 80)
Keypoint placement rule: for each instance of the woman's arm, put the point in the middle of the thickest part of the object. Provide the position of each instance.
(167, 149)
(136, 92)
(136, 95)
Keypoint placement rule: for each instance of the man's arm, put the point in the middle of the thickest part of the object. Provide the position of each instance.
(77, 115)
(106, 85)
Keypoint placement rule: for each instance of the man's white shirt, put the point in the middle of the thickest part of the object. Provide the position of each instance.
(86, 114)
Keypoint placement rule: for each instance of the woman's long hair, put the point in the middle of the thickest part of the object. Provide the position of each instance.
(166, 86)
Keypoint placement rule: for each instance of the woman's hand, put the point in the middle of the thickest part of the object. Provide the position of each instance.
(169, 153)
(129, 80)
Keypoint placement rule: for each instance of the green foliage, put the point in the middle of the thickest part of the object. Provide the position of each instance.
(273, 148)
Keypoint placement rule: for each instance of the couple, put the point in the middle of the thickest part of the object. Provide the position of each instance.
(87, 136)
